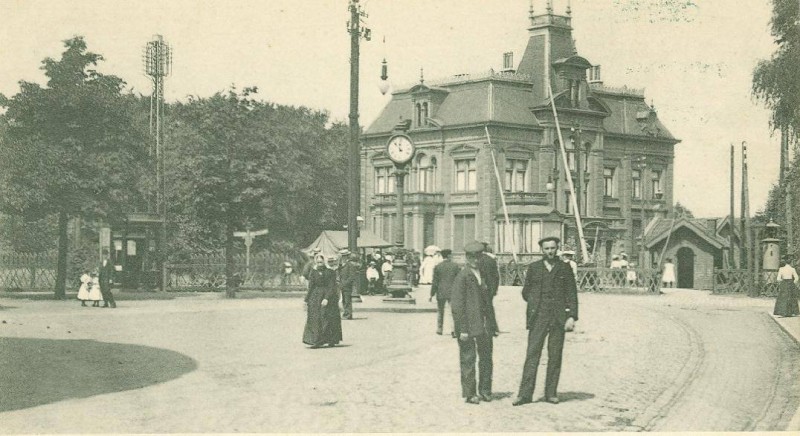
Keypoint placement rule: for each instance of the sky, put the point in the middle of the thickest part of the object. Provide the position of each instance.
(694, 58)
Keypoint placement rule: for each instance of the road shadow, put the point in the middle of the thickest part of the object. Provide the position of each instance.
(42, 371)
(574, 396)
(501, 395)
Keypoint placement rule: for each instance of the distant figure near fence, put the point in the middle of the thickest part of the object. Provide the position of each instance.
(668, 276)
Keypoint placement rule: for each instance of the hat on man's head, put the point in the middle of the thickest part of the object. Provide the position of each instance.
(615, 257)
(344, 252)
(548, 239)
(316, 250)
(473, 247)
(569, 253)
(447, 252)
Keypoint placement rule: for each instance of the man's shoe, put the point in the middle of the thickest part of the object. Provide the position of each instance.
(439, 332)
(520, 401)
(473, 400)
(552, 400)
(485, 397)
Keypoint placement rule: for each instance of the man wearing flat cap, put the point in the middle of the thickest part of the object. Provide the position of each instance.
(552, 298)
(470, 302)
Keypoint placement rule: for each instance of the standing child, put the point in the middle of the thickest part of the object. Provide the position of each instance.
(83, 291)
(94, 291)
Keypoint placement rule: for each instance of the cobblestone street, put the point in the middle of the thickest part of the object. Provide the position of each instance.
(683, 361)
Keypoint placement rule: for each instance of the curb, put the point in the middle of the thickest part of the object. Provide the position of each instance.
(794, 423)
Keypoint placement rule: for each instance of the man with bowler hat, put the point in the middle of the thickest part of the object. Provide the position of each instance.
(105, 275)
(470, 302)
(443, 276)
(552, 299)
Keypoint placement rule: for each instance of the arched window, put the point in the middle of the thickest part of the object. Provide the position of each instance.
(424, 120)
(418, 115)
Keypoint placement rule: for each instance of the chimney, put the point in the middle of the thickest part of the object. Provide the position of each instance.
(508, 62)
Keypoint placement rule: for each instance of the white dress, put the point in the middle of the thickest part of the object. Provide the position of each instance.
(669, 273)
(94, 291)
(426, 270)
(83, 291)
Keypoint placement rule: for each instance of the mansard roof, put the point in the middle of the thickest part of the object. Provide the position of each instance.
(630, 114)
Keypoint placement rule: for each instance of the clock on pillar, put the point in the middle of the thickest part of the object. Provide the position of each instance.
(401, 150)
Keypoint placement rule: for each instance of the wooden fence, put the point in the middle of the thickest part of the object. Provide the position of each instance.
(738, 281)
(594, 279)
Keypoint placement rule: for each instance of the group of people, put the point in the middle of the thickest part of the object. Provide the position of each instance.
(96, 286)
(552, 309)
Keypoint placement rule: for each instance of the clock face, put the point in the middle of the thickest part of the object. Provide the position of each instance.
(400, 149)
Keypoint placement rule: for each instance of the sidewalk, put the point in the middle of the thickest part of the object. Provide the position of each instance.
(792, 327)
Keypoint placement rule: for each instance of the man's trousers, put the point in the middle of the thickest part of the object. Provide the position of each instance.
(467, 352)
(543, 327)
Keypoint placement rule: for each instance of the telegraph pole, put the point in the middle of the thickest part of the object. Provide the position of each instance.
(158, 65)
(356, 31)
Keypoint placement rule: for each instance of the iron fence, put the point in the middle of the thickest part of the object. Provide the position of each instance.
(207, 272)
(27, 271)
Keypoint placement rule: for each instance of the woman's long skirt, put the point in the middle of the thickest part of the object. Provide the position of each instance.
(786, 303)
(323, 324)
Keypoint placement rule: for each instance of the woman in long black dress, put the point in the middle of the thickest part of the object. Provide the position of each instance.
(323, 322)
(786, 303)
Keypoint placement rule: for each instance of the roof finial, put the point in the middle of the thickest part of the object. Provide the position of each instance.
(569, 7)
(530, 11)
(549, 7)
(421, 76)
(574, 46)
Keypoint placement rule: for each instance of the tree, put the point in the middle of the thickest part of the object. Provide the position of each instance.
(681, 211)
(239, 163)
(774, 81)
(71, 148)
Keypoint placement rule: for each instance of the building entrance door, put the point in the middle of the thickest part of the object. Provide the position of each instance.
(685, 268)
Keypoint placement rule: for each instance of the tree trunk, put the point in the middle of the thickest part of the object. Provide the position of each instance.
(61, 267)
(231, 282)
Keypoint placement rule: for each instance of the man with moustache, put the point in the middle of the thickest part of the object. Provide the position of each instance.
(552, 298)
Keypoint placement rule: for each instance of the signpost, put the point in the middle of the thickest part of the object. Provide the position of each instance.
(248, 241)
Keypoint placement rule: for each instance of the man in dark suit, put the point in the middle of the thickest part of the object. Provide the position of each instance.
(349, 279)
(470, 302)
(105, 277)
(552, 308)
(443, 276)
(487, 264)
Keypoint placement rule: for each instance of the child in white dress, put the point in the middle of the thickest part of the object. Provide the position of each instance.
(94, 291)
(83, 291)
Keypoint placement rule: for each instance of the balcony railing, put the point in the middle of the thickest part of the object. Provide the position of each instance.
(527, 198)
(410, 198)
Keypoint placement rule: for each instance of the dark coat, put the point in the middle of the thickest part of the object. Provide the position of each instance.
(105, 274)
(349, 276)
(443, 276)
(323, 324)
(487, 265)
(550, 293)
(471, 305)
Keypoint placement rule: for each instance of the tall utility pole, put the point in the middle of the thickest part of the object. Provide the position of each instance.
(356, 31)
(731, 261)
(786, 181)
(158, 65)
(748, 231)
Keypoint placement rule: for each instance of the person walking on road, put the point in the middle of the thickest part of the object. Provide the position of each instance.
(323, 325)
(786, 303)
(552, 299)
(105, 277)
(443, 276)
(470, 302)
(668, 274)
